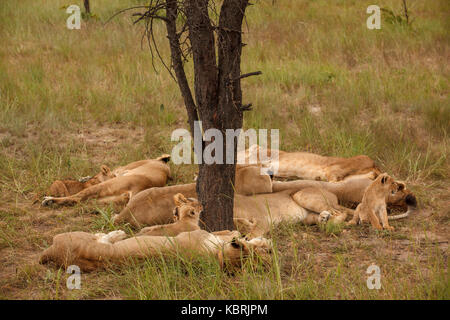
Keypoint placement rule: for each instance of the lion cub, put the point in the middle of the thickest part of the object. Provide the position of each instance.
(373, 205)
(65, 188)
(186, 217)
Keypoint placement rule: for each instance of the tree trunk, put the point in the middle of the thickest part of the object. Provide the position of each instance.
(218, 96)
(87, 7)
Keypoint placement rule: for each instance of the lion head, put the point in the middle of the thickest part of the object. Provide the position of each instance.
(397, 196)
(234, 253)
(105, 174)
(186, 208)
(401, 198)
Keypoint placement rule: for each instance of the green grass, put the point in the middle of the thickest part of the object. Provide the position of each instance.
(71, 100)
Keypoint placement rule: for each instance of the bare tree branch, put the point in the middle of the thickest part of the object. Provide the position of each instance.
(177, 62)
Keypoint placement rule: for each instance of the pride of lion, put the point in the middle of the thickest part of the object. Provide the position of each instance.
(169, 217)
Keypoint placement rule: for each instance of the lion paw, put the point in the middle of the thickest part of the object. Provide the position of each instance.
(48, 201)
(144, 231)
(111, 237)
(390, 228)
(352, 223)
(324, 216)
(115, 236)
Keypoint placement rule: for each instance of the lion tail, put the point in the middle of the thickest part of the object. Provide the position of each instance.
(403, 215)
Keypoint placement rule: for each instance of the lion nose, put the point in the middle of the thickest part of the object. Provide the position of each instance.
(411, 200)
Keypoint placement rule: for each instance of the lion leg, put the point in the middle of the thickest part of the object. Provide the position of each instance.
(88, 193)
(372, 175)
(334, 174)
(223, 233)
(316, 218)
(382, 213)
(321, 204)
(62, 201)
(341, 214)
(119, 200)
(250, 228)
(245, 226)
(111, 237)
(114, 187)
(315, 199)
(348, 211)
(356, 218)
(374, 220)
(58, 189)
(339, 217)
(126, 215)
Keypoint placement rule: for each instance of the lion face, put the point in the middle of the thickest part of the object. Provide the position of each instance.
(387, 184)
(401, 198)
(105, 174)
(238, 250)
(188, 208)
(397, 196)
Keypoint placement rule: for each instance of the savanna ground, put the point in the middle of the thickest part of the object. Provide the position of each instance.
(72, 100)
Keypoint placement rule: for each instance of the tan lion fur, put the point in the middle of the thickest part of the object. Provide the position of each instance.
(155, 206)
(351, 191)
(90, 251)
(186, 217)
(310, 166)
(128, 181)
(64, 188)
(373, 206)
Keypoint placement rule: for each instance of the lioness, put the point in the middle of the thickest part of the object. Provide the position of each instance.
(350, 192)
(259, 213)
(309, 205)
(373, 206)
(155, 205)
(89, 251)
(310, 166)
(65, 188)
(128, 181)
(186, 217)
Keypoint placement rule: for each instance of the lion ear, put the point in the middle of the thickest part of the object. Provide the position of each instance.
(235, 243)
(401, 185)
(384, 178)
(175, 212)
(238, 244)
(179, 199)
(164, 158)
(105, 170)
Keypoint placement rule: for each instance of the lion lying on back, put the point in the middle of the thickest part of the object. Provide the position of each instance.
(310, 166)
(184, 237)
(116, 186)
(90, 252)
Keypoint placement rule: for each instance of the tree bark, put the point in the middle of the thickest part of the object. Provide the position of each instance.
(87, 6)
(218, 96)
(177, 62)
(221, 94)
